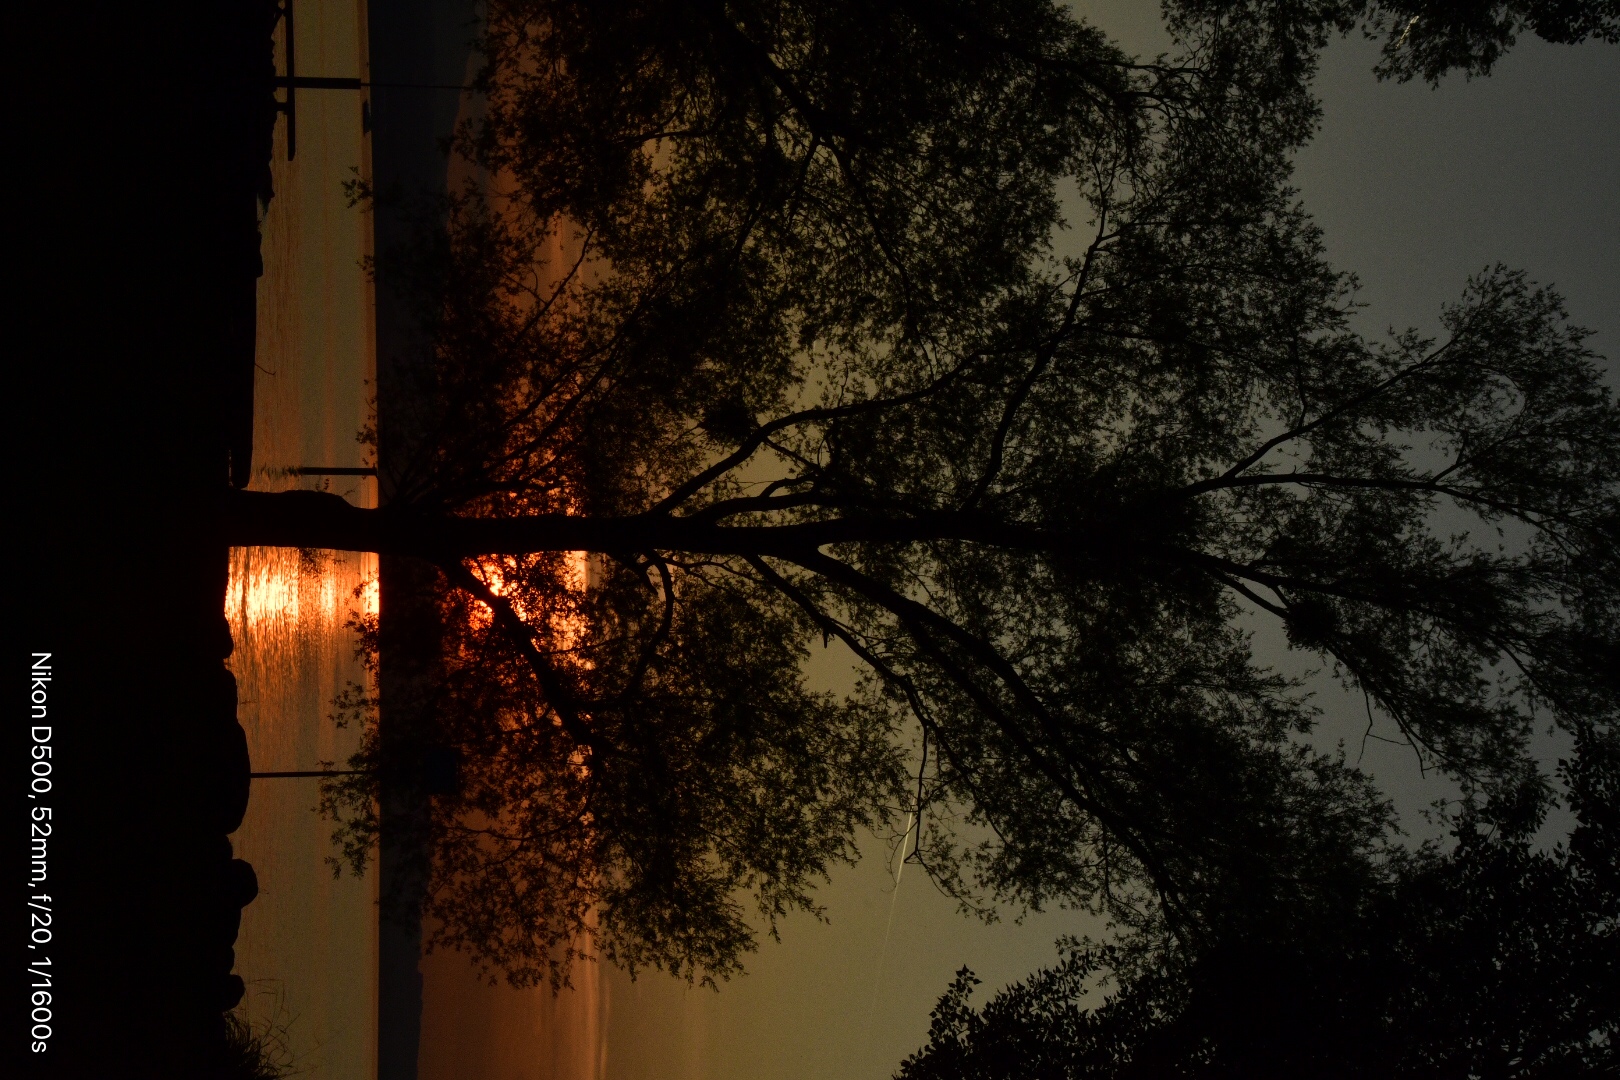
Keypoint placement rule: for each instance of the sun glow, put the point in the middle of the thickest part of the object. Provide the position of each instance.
(565, 625)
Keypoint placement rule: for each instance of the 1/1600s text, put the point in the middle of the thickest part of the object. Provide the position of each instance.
(41, 766)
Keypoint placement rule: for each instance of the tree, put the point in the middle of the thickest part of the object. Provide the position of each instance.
(1427, 38)
(951, 333)
(1488, 959)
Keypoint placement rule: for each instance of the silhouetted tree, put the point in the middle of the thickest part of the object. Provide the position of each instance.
(950, 332)
(1432, 37)
(1427, 38)
(1490, 959)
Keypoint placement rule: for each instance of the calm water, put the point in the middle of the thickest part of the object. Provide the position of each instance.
(307, 948)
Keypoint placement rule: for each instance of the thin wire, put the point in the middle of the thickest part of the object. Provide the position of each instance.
(883, 953)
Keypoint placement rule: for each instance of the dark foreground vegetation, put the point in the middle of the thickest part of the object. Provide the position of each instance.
(1488, 959)
(134, 250)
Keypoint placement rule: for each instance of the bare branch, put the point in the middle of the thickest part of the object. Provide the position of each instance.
(1086, 793)
(1300, 431)
(761, 434)
(1043, 359)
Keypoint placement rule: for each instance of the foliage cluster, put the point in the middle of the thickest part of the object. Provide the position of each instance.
(950, 332)
(1488, 959)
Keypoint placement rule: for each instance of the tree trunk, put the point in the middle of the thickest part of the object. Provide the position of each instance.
(316, 519)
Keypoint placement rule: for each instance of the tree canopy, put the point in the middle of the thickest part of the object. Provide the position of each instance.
(949, 332)
(1487, 959)
(1421, 38)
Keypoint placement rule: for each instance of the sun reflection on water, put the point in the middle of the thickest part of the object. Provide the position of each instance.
(287, 591)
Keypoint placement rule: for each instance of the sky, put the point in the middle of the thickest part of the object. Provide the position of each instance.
(1416, 188)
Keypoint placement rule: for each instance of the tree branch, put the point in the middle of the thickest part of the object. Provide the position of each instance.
(649, 649)
(520, 635)
(1301, 430)
(1430, 484)
(316, 519)
(1042, 360)
(760, 435)
(1085, 795)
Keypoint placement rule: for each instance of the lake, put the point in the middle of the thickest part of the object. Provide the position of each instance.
(307, 947)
